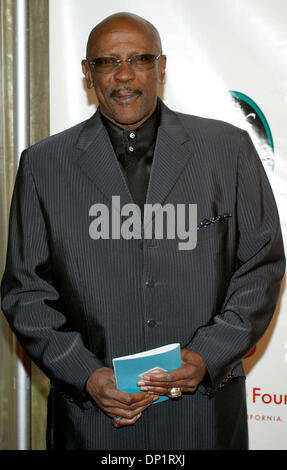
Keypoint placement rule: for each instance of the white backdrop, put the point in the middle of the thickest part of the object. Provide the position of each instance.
(212, 46)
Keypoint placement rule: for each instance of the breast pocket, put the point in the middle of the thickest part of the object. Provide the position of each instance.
(213, 229)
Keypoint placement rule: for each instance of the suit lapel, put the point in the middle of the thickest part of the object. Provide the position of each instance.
(170, 157)
(98, 160)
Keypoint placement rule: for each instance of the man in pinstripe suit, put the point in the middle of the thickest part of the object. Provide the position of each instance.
(75, 303)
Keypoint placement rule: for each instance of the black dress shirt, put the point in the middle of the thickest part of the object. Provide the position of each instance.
(134, 150)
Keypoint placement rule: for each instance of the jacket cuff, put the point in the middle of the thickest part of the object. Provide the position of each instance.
(216, 375)
(76, 392)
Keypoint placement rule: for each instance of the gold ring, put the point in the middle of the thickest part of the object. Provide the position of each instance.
(116, 421)
(174, 392)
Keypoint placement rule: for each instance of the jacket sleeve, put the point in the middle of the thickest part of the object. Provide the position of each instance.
(30, 301)
(255, 285)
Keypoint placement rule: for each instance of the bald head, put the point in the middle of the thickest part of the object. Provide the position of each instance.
(120, 21)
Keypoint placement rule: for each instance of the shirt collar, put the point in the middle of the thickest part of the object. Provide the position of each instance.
(133, 145)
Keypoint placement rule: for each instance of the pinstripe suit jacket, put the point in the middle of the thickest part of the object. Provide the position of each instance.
(75, 303)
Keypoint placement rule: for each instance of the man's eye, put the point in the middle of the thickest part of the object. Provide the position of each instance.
(105, 61)
(143, 58)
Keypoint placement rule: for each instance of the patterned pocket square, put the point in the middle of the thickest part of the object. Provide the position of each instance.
(206, 222)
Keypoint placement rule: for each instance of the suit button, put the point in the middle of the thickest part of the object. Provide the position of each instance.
(151, 323)
(150, 283)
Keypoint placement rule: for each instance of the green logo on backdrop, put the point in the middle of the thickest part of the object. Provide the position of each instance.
(259, 124)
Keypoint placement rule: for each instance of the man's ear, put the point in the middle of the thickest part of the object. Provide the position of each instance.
(161, 69)
(88, 74)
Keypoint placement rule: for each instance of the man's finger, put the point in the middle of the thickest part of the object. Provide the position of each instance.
(165, 378)
(184, 387)
(146, 401)
(127, 413)
(128, 399)
(126, 422)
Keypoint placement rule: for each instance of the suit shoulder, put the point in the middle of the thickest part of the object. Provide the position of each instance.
(64, 138)
(210, 127)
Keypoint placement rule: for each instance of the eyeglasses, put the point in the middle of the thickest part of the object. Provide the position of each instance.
(136, 62)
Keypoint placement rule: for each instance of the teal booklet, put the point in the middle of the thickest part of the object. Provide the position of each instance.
(129, 369)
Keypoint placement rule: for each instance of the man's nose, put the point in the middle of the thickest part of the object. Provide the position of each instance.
(124, 72)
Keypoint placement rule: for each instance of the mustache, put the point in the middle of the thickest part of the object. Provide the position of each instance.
(117, 91)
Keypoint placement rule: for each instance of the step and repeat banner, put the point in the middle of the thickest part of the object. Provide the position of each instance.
(226, 60)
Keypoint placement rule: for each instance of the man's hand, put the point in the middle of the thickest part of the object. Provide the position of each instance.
(101, 385)
(187, 377)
